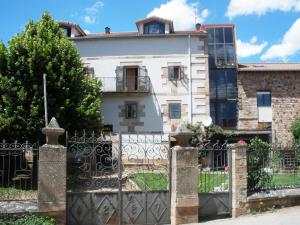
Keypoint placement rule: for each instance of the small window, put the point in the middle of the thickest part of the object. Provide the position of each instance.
(154, 28)
(67, 31)
(174, 110)
(174, 72)
(131, 110)
(264, 99)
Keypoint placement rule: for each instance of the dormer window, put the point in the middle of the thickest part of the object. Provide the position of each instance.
(154, 28)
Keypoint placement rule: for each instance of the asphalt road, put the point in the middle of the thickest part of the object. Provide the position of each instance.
(286, 216)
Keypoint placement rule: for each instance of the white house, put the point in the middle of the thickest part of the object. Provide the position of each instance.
(153, 80)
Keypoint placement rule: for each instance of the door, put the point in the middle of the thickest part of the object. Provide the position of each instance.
(132, 78)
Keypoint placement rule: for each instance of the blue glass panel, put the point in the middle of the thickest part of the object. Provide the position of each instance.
(219, 35)
(154, 28)
(211, 35)
(230, 54)
(228, 35)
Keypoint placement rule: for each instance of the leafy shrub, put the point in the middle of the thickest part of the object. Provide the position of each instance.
(212, 133)
(295, 129)
(257, 159)
(30, 219)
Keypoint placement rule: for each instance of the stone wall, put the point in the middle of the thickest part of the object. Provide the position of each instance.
(285, 93)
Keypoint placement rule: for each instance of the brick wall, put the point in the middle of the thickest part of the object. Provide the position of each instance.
(285, 92)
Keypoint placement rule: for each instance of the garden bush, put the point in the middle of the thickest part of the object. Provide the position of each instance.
(30, 219)
(257, 160)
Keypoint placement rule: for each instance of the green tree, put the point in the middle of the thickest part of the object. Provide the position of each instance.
(73, 98)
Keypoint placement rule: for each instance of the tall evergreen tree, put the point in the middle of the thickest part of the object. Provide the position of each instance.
(73, 98)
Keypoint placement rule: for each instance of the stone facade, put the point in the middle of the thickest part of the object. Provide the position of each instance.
(239, 179)
(184, 197)
(285, 102)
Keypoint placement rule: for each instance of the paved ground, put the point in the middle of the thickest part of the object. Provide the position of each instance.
(286, 216)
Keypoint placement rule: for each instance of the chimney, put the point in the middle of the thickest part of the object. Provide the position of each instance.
(198, 26)
(107, 30)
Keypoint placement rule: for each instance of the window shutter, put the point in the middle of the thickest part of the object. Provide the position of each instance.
(143, 79)
(181, 72)
(171, 72)
(119, 78)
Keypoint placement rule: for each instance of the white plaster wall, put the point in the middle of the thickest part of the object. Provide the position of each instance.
(154, 53)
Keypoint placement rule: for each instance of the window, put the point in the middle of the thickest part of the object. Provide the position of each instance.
(174, 110)
(223, 97)
(264, 99)
(174, 72)
(131, 110)
(264, 106)
(67, 31)
(221, 49)
(154, 28)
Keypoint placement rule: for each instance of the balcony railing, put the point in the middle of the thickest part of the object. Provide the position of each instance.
(141, 84)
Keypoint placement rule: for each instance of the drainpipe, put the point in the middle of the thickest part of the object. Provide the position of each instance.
(190, 81)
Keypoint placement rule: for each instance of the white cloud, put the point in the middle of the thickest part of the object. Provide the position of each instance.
(251, 48)
(87, 31)
(94, 8)
(182, 13)
(290, 44)
(90, 17)
(260, 7)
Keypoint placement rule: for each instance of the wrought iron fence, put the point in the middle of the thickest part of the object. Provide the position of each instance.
(213, 167)
(273, 169)
(108, 160)
(18, 170)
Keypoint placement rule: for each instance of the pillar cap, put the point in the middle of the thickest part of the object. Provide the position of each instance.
(53, 131)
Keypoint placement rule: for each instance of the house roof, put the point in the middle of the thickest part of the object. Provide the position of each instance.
(75, 25)
(137, 35)
(158, 19)
(153, 18)
(262, 67)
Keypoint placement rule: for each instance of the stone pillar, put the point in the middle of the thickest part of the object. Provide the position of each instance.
(184, 197)
(52, 174)
(239, 179)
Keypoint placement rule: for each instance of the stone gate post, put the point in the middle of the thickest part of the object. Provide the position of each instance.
(184, 197)
(239, 179)
(52, 174)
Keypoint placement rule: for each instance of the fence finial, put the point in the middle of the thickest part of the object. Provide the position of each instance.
(53, 131)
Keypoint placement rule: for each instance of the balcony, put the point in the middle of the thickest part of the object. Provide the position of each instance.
(129, 84)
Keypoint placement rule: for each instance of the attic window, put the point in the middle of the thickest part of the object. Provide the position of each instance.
(154, 28)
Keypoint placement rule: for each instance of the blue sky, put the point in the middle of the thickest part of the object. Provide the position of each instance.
(267, 30)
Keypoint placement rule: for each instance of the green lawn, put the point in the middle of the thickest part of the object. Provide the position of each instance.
(150, 181)
(155, 181)
(285, 180)
(207, 182)
(17, 194)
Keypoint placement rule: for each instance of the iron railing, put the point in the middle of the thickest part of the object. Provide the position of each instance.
(273, 169)
(134, 161)
(18, 170)
(213, 171)
(113, 84)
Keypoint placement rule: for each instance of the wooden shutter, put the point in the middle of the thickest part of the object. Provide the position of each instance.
(143, 79)
(119, 78)
(171, 72)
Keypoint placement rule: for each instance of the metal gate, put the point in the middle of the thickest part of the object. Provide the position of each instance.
(118, 179)
(214, 185)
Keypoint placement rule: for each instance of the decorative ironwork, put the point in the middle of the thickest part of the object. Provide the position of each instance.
(134, 164)
(273, 168)
(18, 170)
(213, 167)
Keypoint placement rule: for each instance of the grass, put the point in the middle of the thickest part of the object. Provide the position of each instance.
(157, 182)
(150, 181)
(17, 194)
(207, 182)
(285, 180)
